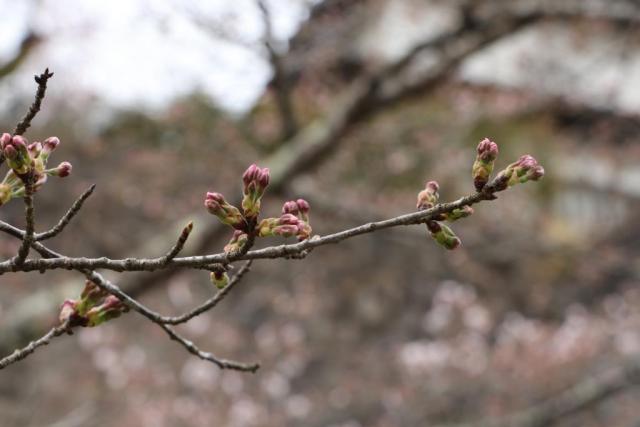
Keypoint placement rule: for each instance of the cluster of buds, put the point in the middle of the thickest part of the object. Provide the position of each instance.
(294, 220)
(287, 225)
(27, 163)
(487, 153)
(226, 213)
(523, 170)
(526, 168)
(255, 182)
(441, 233)
(428, 197)
(94, 307)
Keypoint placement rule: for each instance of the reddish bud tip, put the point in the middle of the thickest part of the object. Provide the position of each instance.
(64, 169)
(433, 186)
(288, 219)
(4, 139)
(19, 142)
(487, 150)
(250, 174)
(10, 152)
(290, 207)
(263, 177)
(303, 206)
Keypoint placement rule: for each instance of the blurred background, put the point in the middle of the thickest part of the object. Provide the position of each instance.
(353, 105)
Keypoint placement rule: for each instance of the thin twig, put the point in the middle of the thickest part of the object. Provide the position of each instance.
(211, 302)
(153, 316)
(41, 80)
(281, 251)
(222, 363)
(28, 238)
(20, 354)
(182, 239)
(67, 217)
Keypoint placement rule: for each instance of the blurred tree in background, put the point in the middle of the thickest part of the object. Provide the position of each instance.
(365, 101)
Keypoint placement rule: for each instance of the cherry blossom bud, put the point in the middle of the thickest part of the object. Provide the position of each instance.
(17, 155)
(5, 138)
(526, 168)
(111, 308)
(34, 149)
(90, 296)
(67, 310)
(236, 243)
(62, 170)
(487, 152)
(49, 145)
(428, 197)
(290, 207)
(304, 208)
(219, 279)
(443, 235)
(458, 213)
(226, 213)
(255, 180)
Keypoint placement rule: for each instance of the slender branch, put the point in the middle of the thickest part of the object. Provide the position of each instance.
(67, 217)
(22, 353)
(281, 251)
(211, 302)
(182, 239)
(25, 123)
(153, 316)
(222, 363)
(123, 296)
(28, 238)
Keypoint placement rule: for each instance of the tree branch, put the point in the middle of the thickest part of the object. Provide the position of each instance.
(67, 217)
(22, 353)
(281, 251)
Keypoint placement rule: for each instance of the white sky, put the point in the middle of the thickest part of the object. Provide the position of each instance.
(145, 52)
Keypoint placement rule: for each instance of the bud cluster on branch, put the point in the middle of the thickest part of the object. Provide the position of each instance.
(28, 165)
(101, 300)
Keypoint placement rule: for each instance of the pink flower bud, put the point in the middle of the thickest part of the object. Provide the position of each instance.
(286, 230)
(4, 139)
(487, 150)
(213, 202)
(428, 197)
(63, 170)
(288, 219)
(290, 207)
(67, 310)
(34, 149)
(535, 173)
(10, 152)
(255, 182)
(263, 178)
(50, 144)
(250, 174)
(19, 142)
(303, 205)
